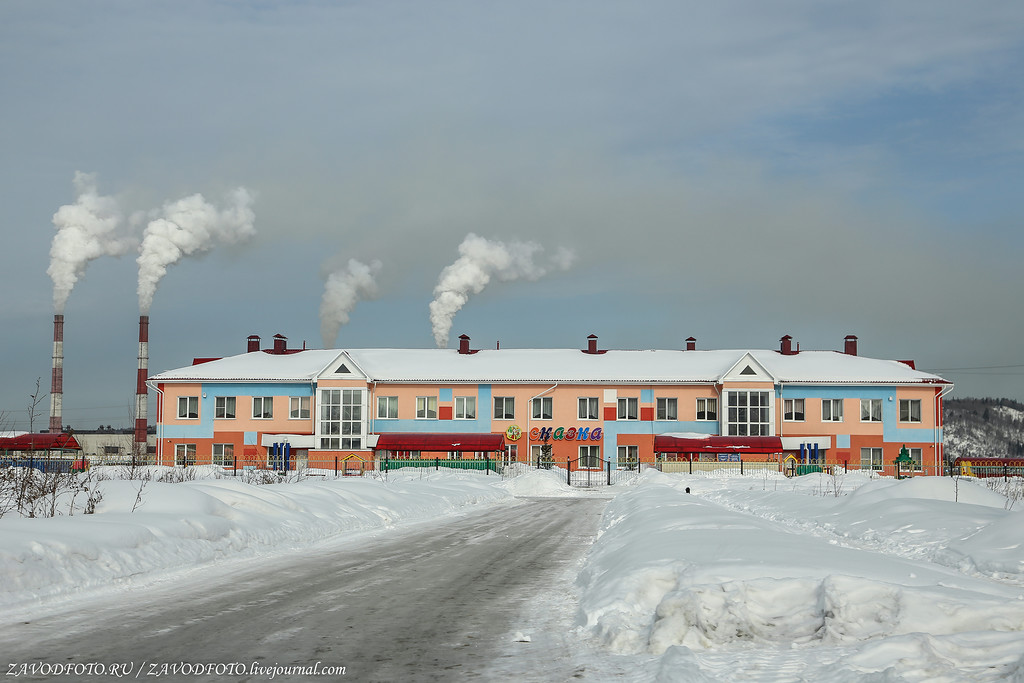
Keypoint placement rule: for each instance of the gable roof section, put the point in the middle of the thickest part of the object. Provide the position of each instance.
(748, 369)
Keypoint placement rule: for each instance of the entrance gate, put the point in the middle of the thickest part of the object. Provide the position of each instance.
(591, 473)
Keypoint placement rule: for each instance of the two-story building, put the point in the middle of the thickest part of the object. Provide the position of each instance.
(319, 407)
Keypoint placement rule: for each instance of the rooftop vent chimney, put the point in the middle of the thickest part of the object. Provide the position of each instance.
(280, 343)
(691, 343)
(850, 349)
(786, 346)
(254, 343)
(464, 344)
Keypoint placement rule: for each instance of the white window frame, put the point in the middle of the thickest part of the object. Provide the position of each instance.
(541, 408)
(627, 408)
(426, 407)
(708, 407)
(666, 408)
(465, 408)
(871, 459)
(188, 407)
(792, 407)
(506, 402)
(911, 404)
(589, 458)
(185, 454)
(917, 455)
(223, 454)
(386, 405)
(868, 406)
(628, 454)
(224, 407)
(742, 411)
(299, 407)
(261, 413)
(831, 410)
(588, 408)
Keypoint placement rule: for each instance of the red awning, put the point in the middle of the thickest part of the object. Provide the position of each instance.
(440, 443)
(718, 444)
(40, 442)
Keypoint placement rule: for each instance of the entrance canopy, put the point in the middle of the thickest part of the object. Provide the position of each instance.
(755, 445)
(440, 443)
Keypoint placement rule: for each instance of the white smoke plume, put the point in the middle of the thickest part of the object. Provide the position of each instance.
(342, 291)
(479, 260)
(188, 226)
(86, 230)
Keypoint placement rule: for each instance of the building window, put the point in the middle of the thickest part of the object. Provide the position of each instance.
(541, 408)
(188, 407)
(667, 408)
(504, 408)
(707, 408)
(587, 408)
(871, 459)
(590, 457)
(223, 454)
(298, 408)
(748, 413)
(341, 419)
(465, 407)
(426, 407)
(916, 456)
(628, 456)
(871, 410)
(831, 410)
(185, 454)
(910, 410)
(387, 407)
(262, 407)
(627, 409)
(224, 407)
(793, 409)
(111, 450)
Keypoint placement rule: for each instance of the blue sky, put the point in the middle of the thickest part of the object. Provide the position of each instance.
(733, 171)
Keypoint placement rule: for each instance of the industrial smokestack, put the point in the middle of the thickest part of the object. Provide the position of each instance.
(141, 392)
(57, 381)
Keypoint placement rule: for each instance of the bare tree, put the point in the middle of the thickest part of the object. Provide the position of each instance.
(33, 406)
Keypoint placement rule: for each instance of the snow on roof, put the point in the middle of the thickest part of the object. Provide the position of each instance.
(552, 365)
(255, 367)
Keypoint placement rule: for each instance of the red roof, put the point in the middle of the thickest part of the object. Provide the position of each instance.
(439, 443)
(39, 442)
(718, 444)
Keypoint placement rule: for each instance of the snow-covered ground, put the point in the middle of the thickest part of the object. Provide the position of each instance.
(745, 578)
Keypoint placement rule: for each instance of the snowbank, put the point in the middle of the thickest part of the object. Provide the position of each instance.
(677, 575)
(198, 522)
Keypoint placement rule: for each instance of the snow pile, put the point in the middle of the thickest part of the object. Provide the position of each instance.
(959, 523)
(192, 523)
(531, 482)
(676, 575)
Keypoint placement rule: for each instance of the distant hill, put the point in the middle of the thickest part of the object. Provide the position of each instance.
(983, 427)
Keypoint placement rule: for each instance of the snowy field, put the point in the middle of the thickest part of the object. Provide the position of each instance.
(756, 578)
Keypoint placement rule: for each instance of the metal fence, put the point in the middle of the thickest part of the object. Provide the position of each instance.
(486, 464)
(46, 463)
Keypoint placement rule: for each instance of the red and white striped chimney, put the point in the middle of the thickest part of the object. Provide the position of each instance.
(57, 381)
(141, 392)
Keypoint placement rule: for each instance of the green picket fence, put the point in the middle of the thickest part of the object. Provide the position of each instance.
(438, 463)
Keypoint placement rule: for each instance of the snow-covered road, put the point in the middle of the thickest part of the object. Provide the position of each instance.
(443, 600)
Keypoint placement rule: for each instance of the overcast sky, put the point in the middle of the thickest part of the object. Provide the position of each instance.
(734, 171)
